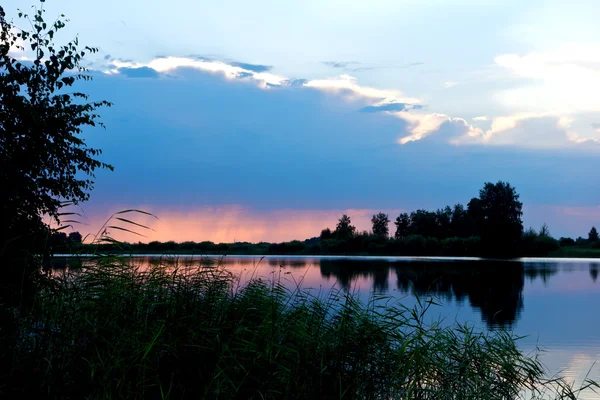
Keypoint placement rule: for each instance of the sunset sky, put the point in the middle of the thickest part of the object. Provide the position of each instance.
(267, 120)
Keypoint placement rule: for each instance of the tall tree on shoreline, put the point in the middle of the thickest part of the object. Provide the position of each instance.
(44, 159)
(593, 235)
(380, 223)
(402, 226)
(501, 226)
(344, 229)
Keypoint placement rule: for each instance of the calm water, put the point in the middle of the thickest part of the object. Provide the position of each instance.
(554, 302)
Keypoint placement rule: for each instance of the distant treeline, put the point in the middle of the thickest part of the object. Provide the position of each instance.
(490, 225)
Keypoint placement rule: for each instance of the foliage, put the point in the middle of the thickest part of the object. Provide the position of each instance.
(538, 244)
(593, 235)
(501, 227)
(461, 224)
(114, 330)
(344, 228)
(402, 223)
(380, 223)
(545, 231)
(565, 241)
(424, 223)
(495, 217)
(44, 160)
(326, 234)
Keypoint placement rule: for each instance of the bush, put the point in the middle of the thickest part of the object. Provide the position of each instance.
(414, 245)
(456, 247)
(538, 245)
(565, 241)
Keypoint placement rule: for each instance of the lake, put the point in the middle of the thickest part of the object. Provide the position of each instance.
(554, 302)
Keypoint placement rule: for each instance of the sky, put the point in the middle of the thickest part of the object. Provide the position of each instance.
(267, 120)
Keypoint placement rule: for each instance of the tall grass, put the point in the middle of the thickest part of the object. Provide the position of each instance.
(116, 330)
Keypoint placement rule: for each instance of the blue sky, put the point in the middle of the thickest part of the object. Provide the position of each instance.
(266, 120)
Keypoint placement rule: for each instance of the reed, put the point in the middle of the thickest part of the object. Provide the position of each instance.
(113, 329)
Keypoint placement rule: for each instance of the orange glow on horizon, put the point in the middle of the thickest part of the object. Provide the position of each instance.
(230, 223)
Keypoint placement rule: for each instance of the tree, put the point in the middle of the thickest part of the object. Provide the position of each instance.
(544, 231)
(475, 216)
(593, 235)
(501, 225)
(402, 226)
(75, 238)
(326, 234)
(565, 241)
(380, 223)
(44, 160)
(424, 223)
(344, 229)
(443, 219)
(460, 224)
(58, 241)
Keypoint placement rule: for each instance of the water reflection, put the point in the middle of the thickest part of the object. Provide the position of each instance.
(494, 288)
(594, 272)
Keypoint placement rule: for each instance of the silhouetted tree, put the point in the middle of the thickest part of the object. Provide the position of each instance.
(476, 216)
(530, 233)
(58, 241)
(326, 234)
(544, 231)
(593, 235)
(424, 223)
(443, 219)
(380, 223)
(75, 238)
(460, 223)
(501, 227)
(402, 226)
(44, 160)
(344, 229)
(565, 241)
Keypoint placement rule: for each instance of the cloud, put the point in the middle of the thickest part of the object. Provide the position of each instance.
(596, 127)
(370, 68)
(409, 65)
(230, 71)
(391, 107)
(252, 67)
(450, 84)
(531, 130)
(141, 72)
(525, 129)
(423, 125)
(295, 82)
(346, 84)
(339, 64)
(562, 80)
(543, 129)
